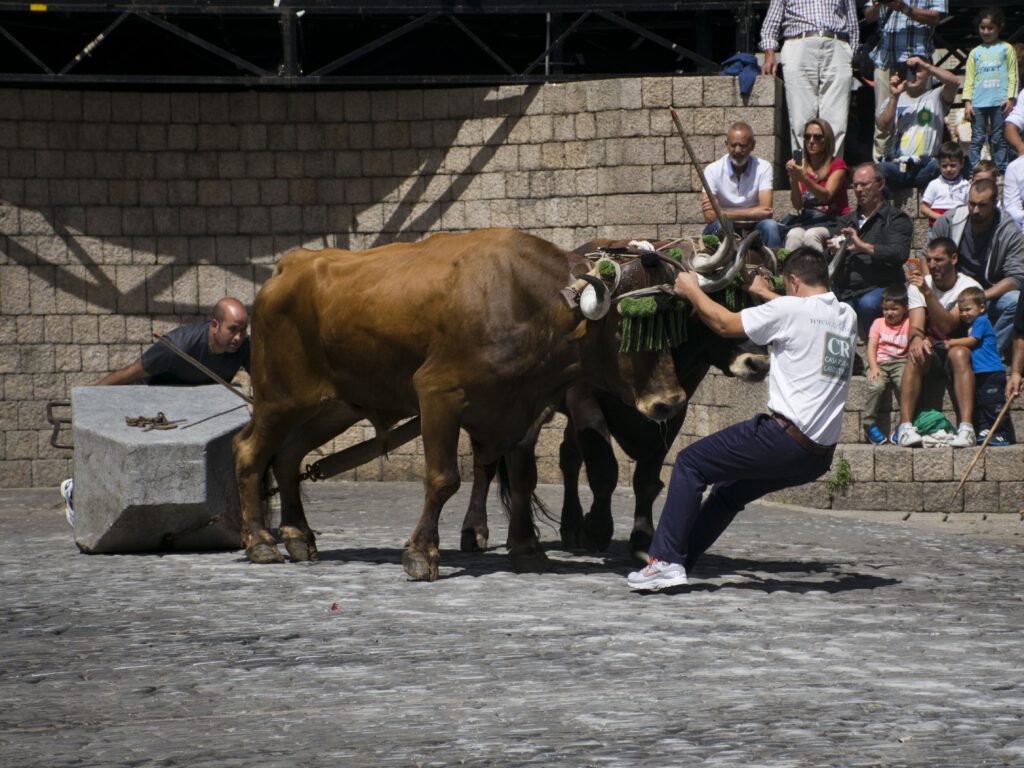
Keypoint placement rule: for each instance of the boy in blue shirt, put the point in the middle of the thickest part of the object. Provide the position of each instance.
(990, 87)
(989, 373)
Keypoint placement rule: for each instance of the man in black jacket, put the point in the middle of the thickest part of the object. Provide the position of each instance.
(877, 240)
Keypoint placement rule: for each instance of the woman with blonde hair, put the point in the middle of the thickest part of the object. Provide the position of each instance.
(818, 188)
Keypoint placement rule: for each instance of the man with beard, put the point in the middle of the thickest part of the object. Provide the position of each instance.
(742, 186)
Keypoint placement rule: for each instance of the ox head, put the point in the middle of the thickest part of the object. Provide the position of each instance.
(637, 330)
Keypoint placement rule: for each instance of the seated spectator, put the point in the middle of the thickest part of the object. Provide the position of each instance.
(1013, 383)
(984, 169)
(916, 115)
(817, 189)
(950, 188)
(1013, 126)
(876, 238)
(1013, 192)
(991, 250)
(742, 186)
(934, 316)
(989, 375)
(887, 356)
(221, 344)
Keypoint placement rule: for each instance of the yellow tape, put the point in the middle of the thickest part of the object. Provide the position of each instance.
(37, 6)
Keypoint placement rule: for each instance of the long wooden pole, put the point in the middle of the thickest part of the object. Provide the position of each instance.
(189, 359)
(984, 445)
(712, 198)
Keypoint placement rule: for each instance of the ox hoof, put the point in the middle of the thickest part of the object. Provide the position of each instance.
(639, 544)
(418, 566)
(572, 538)
(597, 533)
(300, 548)
(529, 560)
(473, 541)
(264, 553)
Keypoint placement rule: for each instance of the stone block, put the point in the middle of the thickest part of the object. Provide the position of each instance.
(893, 464)
(1000, 463)
(980, 496)
(872, 496)
(933, 464)
(158, 490)
(1011, 497)
(905, 495)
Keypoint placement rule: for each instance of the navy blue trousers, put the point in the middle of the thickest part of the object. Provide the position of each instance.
(742, 463)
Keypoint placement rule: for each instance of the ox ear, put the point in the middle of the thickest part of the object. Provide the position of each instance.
(578, 332)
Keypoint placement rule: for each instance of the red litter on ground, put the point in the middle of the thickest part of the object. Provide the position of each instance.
(334, 609)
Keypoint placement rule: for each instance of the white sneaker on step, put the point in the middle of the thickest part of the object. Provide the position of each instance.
(965, 437)
(657, 574)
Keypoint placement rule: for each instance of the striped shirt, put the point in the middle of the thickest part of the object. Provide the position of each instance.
(900, 37)
(788, 18)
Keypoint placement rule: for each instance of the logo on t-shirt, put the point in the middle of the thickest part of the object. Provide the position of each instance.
(837, 357)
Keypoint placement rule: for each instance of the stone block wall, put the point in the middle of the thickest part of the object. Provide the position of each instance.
(123, 213)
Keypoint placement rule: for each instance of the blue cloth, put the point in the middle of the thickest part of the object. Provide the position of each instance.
(1000, 313)
(771, 231)
(742, 463)
(868, 307)
(984, 357)
(744, 66)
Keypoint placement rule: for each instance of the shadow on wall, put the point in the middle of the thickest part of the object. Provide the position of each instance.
(163, 218)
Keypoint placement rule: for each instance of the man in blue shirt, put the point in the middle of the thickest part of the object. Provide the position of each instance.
(221, 344)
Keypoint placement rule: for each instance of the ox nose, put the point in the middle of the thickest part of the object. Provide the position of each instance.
(748, 367)
(662, 408)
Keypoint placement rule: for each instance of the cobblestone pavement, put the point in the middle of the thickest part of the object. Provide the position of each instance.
(808, 639)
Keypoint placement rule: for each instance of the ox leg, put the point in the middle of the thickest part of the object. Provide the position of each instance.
(474, 526)
(297, 536)
(440, 422)
(602, 475)
(570, 461)
(253, 447)
(646, 487)
(524, 548)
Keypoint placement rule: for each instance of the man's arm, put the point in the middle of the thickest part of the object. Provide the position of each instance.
(715, 316)
(1014, 124)
(754, 213)
(886, 119)
(918, 347)
(770, 33)
(1003, 286)
(1013, 263)
(950, 82)
(1013, 383)
(964, 341)
(130, 374)
(887, 241)
(1013, 183)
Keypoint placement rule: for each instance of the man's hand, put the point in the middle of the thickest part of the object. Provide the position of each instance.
(916, 279)
(919, 350)
(770, 65)
(855, 243)
(759, 288)
(1008, 106)
(686, 285)
(1013, 385)
(896, 86)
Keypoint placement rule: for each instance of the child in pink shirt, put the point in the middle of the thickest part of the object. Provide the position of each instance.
(887, 356)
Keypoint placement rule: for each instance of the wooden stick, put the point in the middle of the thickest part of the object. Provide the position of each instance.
(189, 359)
(984, 445)
(722, 220)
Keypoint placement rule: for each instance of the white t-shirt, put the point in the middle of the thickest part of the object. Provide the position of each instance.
(811, 345)
(919, 123)
(738, 191)
(944, 194)
(946, 298)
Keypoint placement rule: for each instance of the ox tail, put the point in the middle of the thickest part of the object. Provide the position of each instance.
(536, 505)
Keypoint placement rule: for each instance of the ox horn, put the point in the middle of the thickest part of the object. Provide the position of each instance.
(595, 299)
(837, 261)
(721, 279)
(707, 264)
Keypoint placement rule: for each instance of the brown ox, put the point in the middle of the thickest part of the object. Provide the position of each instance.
(468, 331)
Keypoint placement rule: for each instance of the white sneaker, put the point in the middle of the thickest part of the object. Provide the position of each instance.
(907, 435)
(67, 489)
(964, 437)
(657, 574)
(936, 439)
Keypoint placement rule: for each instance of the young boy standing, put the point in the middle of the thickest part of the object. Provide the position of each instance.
(989, 374)
(990, 87)
(950, 188)
(887, 356)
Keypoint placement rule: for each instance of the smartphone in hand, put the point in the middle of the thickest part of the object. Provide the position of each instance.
(798, 156)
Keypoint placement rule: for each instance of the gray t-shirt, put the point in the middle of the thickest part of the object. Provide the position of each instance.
(167, 369)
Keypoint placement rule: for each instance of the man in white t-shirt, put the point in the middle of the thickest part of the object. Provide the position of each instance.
(742, 185)
(811, 337)
(916, 115)
(934, 316)
(1013, 126)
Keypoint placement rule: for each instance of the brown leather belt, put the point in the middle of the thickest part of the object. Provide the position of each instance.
(801, 439)
(821, 33)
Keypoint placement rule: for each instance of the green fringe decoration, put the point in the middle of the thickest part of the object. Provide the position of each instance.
(676, 254)
(781, 254)
(711, 242)
(645, 329)
(778, 285)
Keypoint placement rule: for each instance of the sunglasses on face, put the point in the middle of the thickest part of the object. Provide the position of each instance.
(814, 137)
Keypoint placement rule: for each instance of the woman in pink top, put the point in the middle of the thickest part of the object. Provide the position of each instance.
(817, 188)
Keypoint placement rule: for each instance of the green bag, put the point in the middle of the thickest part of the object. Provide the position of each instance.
(931, 421)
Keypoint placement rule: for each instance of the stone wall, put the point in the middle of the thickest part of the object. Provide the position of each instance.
(124, 213)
